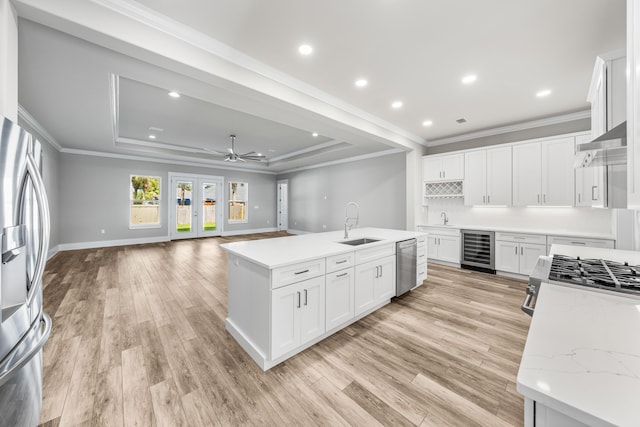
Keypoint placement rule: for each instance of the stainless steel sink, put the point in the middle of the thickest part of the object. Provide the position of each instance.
(358, 242)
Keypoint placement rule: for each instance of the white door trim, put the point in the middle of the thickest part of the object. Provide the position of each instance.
(280, 225)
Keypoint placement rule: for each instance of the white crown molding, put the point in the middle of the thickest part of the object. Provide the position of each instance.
(31, 121)
(153, 19)
(347, 160)
(306, 150)
(209, 164)
(513, 128)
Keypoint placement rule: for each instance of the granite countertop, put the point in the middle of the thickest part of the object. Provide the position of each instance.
(281, 251)
(562, 233)
(582, 355)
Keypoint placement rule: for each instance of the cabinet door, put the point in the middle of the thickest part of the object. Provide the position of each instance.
(432, 169)
(385, 286)
(365, 296)
(453, 167)
(558, 172)
(285, 318)
(475, 173)
(432, 246)
(527, 170)
(340, 291)
(449, 248)
(508, 256)
(498, 176)
(312, 310)
(529, 254)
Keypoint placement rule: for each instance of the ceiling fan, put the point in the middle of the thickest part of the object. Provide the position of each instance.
(232, 156)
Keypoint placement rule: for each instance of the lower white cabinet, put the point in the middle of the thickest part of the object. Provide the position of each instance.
(421, 260)
(297, 315)
(340, 294)
(375, 283)
(518, 253)
(444, 247)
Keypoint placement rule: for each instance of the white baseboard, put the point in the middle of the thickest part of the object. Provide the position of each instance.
(52, 251)
(110, 243)
(298, 232)
(254, 231)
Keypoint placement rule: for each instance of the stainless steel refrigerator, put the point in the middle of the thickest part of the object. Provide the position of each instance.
(24, 232)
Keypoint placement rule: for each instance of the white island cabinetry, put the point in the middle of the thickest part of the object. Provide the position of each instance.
(286, 294)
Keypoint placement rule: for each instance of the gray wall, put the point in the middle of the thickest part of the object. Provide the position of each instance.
(94, 195)
(317, 197)
(523, 135)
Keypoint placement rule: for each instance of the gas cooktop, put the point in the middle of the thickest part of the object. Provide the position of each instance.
(596, 273)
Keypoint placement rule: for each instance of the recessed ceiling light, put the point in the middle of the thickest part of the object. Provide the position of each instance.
(305, 49)
(427, 123)
(396, 104)
(543, 93)
(152, 137)
(314, 134)
(469, 79)
(174, 94)
(361, 82)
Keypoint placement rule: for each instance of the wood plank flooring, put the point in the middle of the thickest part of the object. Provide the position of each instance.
(139, 340)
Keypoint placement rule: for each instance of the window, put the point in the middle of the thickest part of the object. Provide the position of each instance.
(238, 199)
(144, 197)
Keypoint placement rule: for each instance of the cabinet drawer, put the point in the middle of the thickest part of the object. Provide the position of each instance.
(421, 272)
(521, 238)
(422, 253)
(297, 272)
(444, 231)
(339, 262)
(577, 241)
(364, 255)
(421, 240)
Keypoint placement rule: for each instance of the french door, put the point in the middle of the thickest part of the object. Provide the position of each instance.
(196, 206)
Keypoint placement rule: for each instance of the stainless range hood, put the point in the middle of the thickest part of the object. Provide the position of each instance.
(606, 150)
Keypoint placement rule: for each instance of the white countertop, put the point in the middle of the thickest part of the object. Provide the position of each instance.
(549, 232)
(280, 251)
(582, 355)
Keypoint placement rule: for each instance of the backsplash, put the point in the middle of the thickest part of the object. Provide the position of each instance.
(581, 220)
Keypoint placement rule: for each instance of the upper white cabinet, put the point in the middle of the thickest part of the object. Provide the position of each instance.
(488, 177)
(590, 184)
(543, 173)
(443, 168)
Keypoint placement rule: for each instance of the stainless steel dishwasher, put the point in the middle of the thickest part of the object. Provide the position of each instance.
(406, 257)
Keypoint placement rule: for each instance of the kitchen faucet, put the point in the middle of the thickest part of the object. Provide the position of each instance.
(347, 227)
(444, 217)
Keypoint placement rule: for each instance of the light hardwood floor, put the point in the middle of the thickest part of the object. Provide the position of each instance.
(139, 339)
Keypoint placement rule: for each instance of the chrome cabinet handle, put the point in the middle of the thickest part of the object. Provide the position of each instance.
(544, 198)
(298, 299)
(301, 272)
(45, 223)
(380, 271)
(483, 197)
(579, 198)
(488, 198)
(594, 192)
(521, 250)
(305, 297)
(538, 198)
(516, 248)
(341, 262)
(579, 243)
(342, 275)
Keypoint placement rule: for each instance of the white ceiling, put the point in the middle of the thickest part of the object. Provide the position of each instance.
(414, 51)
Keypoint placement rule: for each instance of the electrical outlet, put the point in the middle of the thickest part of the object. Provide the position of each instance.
(268, 221)
(324, 226)
(102, 231)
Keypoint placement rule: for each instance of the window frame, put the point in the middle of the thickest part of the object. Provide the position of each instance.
(158, 224)
(231, 199)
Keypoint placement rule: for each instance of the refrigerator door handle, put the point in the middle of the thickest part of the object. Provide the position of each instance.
(43, 207)
(8, 367)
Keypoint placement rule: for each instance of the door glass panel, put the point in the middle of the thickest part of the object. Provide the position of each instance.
(183, 208)
(209, 191)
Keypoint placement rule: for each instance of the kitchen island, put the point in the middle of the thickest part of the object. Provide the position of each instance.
(581, 361)
(288, 293)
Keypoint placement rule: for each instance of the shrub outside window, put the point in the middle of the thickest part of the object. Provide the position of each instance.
(238, 199)
(144, 197)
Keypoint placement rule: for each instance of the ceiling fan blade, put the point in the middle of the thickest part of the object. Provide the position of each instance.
(256, 158)
(241, 159)
(216, 152)
(250, 153)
